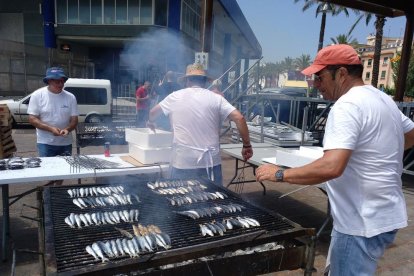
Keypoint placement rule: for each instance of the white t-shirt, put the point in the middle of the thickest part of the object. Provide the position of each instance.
(367, 198)
(55, 110)
(196, 115)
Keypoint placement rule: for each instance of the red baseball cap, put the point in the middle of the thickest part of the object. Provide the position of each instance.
(338, 54)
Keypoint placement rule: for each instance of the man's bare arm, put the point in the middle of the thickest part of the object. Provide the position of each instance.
(37, 123)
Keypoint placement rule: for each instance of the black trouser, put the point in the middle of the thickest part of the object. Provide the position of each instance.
(142, 117)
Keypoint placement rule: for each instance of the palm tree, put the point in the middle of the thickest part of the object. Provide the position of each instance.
(278, 68)
(379, 31)
(302, 62)
(344, 39)
(287, 65)
(270, 73)
(323, 8)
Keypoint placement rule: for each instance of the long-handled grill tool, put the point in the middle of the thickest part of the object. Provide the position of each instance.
(294, 191)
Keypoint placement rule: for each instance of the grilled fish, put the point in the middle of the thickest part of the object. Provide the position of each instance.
(92, 252)
(76, 202)
(124, 232)
(126, 248)
(99, 252)
(120, 246)
(68, 222)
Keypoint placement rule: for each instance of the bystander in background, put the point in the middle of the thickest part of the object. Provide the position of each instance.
(216, 87)
(142, 97)
(166, 87)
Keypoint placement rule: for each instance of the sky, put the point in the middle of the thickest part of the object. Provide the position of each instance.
(283, 29)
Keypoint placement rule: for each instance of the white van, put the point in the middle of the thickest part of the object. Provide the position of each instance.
(94, 97)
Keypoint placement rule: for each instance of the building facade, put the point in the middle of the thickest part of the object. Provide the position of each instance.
(125, 41)
(391, 47)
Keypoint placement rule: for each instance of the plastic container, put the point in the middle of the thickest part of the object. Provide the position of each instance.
(146, 138)
(150, 155)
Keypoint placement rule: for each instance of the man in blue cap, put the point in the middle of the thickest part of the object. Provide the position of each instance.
(54, 113)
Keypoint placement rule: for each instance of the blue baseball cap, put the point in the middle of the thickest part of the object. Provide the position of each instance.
(54, 73)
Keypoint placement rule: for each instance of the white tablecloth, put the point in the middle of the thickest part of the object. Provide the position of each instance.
(54, 168)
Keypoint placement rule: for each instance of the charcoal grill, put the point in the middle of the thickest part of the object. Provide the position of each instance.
(64, 247)
(98, 133)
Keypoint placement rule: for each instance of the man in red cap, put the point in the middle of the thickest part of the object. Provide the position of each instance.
(364, 142)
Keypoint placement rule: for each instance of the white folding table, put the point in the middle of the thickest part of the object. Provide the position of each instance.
(57, 168)
(261, 151)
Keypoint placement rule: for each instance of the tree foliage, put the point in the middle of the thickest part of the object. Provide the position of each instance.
(322, 8)
(302, 62)
(379, 30)
(344, 39)
(269, 72)
(288, 64)
(395, 64)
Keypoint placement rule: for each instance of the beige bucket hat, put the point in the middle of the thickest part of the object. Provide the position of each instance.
(195, 69)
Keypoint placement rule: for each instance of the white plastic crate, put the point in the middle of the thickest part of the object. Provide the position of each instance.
(146, 138)
(150, 155)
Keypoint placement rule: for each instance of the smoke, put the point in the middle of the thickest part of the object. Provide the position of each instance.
(154, 53)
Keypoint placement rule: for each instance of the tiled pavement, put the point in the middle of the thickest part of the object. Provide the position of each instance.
(306, 207)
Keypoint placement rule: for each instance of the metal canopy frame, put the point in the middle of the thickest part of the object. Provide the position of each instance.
(390, 8)
(383, 7)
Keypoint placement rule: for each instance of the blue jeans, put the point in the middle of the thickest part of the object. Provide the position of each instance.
(198, 173)
(46, 150)
(356, 255)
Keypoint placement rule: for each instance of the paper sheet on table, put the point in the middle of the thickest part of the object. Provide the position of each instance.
(295, 158)
(271, 160)
(131, 160)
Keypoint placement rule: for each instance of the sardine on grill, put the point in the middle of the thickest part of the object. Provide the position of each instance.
(69, 222)
(78, 221)
(92, 252)
(98, 251)
(120, 246)
(124, 232)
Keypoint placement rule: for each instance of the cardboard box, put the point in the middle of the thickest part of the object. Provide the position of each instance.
(5, 119)
(4, 109)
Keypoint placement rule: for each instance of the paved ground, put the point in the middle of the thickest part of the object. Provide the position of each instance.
(306, 207)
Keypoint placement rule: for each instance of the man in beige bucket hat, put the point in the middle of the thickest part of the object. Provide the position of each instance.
(364, 142)
(196, 115)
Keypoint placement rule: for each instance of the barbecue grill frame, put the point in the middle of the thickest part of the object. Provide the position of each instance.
(299, 236)
(113, 132)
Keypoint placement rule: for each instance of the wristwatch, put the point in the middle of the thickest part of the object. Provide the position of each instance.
(279, 175)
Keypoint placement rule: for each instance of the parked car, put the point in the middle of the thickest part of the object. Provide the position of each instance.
(94, 97)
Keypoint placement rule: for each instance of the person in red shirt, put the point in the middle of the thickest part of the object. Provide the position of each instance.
(142, 96)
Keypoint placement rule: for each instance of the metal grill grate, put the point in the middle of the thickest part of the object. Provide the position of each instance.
(99, 133)
(66, 246)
